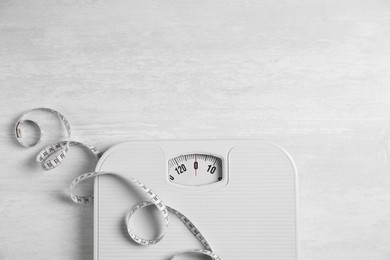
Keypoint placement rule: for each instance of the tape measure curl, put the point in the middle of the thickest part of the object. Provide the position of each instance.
(162, 208)
(52, 155)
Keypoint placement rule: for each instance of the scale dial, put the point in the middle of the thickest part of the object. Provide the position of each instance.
(195, 169)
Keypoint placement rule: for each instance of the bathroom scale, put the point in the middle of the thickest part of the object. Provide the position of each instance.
(240, 194)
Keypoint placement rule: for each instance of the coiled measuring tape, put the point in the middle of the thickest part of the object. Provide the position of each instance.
(52, 155)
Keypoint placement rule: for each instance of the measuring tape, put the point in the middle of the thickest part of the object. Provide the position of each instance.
(52, 155)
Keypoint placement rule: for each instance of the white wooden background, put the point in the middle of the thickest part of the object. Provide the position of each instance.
(313, 76)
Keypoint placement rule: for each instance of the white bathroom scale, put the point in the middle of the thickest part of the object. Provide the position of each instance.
(240, 194)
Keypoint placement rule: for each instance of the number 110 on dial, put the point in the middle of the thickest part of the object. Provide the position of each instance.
(195, 169)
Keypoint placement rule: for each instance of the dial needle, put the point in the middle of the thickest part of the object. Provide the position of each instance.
(195, 166)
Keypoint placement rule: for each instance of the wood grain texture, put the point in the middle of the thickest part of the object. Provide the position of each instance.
(310, 75)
